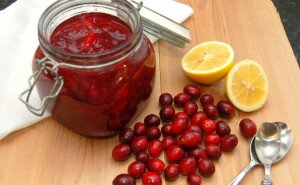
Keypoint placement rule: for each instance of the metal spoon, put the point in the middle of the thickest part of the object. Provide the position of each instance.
(286, 138)
(253, 162)
(267, 147)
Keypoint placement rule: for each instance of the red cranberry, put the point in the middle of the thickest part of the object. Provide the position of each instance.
(143, 157)
(124, 179)
(121, 152)
(152, 120)
(192, 90)
(171, 172)
(198, 118)
(197, 153)
(126, 135)
(167, 113)
(139, 129)
(166, 130)
(151, 178)
(212, 139)
(190, 139)
(222, 128)
(190, 108)
(153, 132)
(139, 144)
(247, 127)
(187, 165)
(179, 126)
(228, 142)
(206, 167)
(155, 148)
(181, 98)
(156, 165)
(195, 128)
(194, 179)
(226, 109)
(165, 99)
(213, 152)
(168, 141)
(136, 169)
(174, 154)
(181, 115)
(208, 126)
(211, 111)
(206, 99)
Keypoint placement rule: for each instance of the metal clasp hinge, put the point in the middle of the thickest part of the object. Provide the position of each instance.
(33, 79)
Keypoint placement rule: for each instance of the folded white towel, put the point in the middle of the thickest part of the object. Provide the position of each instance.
(18, 42)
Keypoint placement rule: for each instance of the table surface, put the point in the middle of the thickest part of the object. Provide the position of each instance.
(48, 153)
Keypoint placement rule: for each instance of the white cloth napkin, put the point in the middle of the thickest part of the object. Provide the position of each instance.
(18, 41)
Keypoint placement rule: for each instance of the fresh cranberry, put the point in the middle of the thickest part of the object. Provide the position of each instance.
(197, 153)
(167, 113)
(165, 99)
(190, 108)
(136, 169)
(208, 126)
(247, 127)
(181, 98)
(139, 129)
(174, 154)
(153, 132)
(143, 157)
(151, 178)
(206, 167)
(222, 128)
(213, 152)
(194, 179)
(121, 152)
(187, 165)
(212, 139)
(192, 90)
(228, 142)
(226, 109)
(171, 172)
(139, 144)
(190, 139)
(182, 115)
(211, 111)
(198, 118)
(152, 120)
(155, 148)
(179, 126)
(126, 135)
(195, 128)
(124, 179)
(166, 130)
(168, 141)
(207, 99)
(156, 165)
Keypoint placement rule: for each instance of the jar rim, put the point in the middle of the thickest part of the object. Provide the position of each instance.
(134, 40)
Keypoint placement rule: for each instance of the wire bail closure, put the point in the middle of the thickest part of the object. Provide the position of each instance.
(44, 65)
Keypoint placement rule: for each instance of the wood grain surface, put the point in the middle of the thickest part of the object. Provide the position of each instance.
(49, 154)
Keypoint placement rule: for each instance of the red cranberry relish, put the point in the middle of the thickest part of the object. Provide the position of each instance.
(90, 33)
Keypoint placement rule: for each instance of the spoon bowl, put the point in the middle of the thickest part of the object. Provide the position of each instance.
(267, 147)
(286, 139)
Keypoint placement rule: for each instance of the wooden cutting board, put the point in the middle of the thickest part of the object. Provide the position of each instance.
(48, 153)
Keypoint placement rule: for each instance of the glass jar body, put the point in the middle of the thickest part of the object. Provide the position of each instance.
(99, 102)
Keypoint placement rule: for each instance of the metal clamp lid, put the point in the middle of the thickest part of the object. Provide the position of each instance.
(45, 65)
(161, 26)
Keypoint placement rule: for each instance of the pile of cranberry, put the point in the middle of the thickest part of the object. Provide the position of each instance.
(182, 136)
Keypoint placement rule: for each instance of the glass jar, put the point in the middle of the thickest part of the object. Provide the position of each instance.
(97, 94)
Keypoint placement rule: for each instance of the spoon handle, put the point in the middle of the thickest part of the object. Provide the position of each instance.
(267, 178)
(241, 175)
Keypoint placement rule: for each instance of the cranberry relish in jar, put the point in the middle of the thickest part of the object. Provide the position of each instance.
(106, 64)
